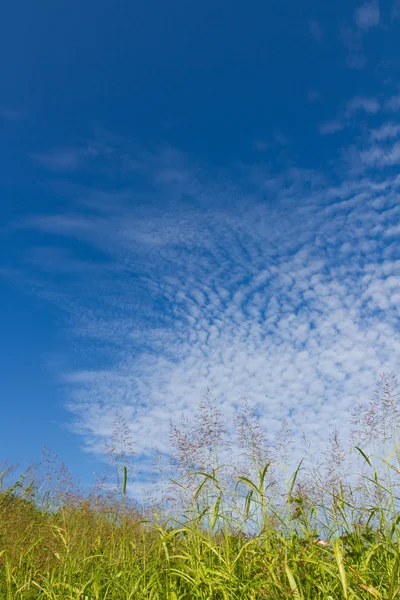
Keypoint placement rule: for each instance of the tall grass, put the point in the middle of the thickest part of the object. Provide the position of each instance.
(217, 531)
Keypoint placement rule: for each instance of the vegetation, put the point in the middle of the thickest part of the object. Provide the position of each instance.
(211, 530)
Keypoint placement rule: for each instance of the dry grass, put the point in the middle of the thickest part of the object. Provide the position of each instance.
(220, 532)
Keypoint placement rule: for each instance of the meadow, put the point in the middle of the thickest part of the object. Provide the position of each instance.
(269, 526)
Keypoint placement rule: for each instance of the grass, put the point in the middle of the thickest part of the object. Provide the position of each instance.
(237, 532)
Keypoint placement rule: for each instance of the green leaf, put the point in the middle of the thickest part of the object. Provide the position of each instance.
(364, 455)
(339, 561)
(293, 585)
(125, 480)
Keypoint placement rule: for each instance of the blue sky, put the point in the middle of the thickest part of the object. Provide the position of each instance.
(195, 195)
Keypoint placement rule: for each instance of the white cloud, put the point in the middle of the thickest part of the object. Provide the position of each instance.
(362, 103)
(367, 15)
(291, 301)
(393, 104)
(381, 156)
(385, 132)
(392, 231)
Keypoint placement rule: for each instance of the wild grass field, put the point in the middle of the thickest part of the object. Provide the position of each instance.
(326, 527)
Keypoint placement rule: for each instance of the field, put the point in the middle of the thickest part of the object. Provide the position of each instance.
(328, 530)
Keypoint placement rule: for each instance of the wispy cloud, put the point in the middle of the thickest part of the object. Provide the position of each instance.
(367, 15)
(315, 30)
(376, 147)
(385, 132)
(358, 104)
(382, 156)
(362, 103)
(393, 103)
